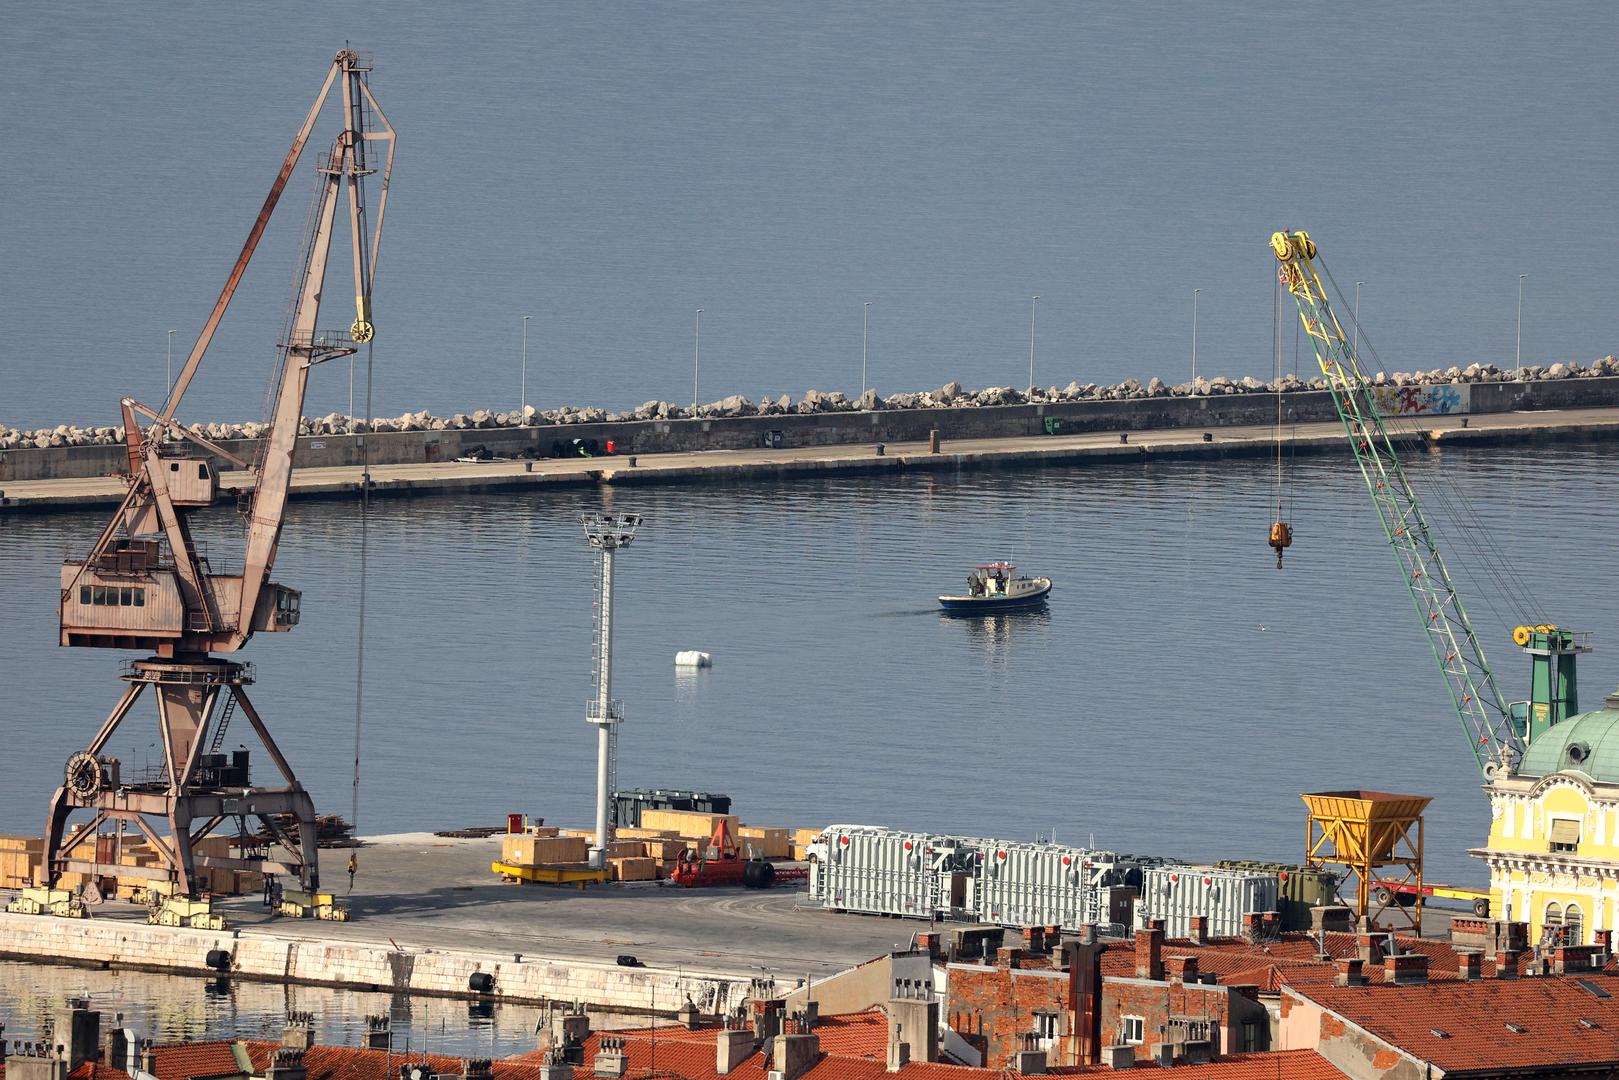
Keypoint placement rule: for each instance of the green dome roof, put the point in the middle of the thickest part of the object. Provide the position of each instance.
(1587, 743)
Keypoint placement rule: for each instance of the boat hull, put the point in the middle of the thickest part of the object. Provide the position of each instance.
(991, 605)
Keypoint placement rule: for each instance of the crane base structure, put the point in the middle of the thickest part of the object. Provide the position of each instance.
(192, 793)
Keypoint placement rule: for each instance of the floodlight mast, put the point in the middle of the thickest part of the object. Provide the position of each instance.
(606, 533)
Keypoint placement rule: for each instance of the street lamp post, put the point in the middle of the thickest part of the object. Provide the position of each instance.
(1194, 333)
(522, 387)
(1520, 318)
(168, 370)
(696, 344)
(865, 320)
(1033, 300)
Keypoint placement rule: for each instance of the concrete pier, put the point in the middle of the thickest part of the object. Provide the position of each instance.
(1112, 446)
(428, 913)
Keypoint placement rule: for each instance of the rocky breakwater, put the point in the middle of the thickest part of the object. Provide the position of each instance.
(950, 396)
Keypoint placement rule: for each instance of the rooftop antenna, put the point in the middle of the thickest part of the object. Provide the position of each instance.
(606, 533)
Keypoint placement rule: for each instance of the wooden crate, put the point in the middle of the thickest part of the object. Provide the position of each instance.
(664, 849)
(691, 824)
(522, 850)
(766, 843)
(645, 834)
(636, 869)
(626, 849)
(805, 837)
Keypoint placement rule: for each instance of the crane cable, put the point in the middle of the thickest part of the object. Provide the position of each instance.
(1499, 574)
(359, 648)
(1281, 531)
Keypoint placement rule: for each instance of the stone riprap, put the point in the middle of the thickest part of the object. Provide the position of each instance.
(950, 396)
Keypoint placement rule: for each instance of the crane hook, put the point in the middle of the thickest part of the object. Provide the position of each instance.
(1281, 538)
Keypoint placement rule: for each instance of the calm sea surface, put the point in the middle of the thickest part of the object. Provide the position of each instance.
(170, 1009)
(1175, 698)
(610, 168)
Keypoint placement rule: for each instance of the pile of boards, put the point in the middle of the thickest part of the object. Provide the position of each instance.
(20, 857)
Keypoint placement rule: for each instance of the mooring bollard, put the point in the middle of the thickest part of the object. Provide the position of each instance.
(528, 466)
(1124, 436)
(933, 441)
(1464, 421)
(881, 450)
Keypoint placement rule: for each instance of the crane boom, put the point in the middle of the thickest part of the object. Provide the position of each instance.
(1482, 711)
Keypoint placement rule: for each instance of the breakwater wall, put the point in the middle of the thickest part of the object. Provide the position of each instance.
(120, 943)
(1230, 404)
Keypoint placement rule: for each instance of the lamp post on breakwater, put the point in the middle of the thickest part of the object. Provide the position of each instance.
(865, 318)
(1033, 300)
(1194, 333)
(696, 343)
(1520, 319)
(522, 385)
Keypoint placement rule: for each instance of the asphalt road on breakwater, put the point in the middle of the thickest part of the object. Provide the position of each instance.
(459, 476)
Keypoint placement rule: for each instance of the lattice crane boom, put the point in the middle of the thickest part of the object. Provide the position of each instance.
(1479, 705)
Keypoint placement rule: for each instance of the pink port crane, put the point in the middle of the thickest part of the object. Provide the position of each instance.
(146, 585)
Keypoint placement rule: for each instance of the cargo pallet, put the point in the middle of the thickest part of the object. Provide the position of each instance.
(549, 875)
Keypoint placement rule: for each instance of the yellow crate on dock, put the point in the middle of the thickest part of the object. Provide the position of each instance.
(766, 843)
(637, 869)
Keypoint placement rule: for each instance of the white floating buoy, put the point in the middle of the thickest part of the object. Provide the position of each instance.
(693, 658)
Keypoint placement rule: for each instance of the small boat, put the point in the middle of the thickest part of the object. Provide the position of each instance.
(997, 587)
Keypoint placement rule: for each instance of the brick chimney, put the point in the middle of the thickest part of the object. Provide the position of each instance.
(792, 1055)
(1181, 969)
(1406, 969)
(1009, 956)
(1570, 959)
(1470, 966)
(1034, 938)
(1199, 931)
(477, 1069)
(1349, 971)
(930, 943)
(1150, 953)
(1083, 959)
(1370, 947)
(732, 1048)
(913, 1019)
(1506, 963)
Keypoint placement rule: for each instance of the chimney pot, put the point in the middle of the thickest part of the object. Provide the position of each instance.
(1349, 972)
(1182, 969)
(1506, 963)
(1200, 929)
(1470, 966)
(1406, 969)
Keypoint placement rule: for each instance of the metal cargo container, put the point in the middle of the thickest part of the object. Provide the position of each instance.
(1041, 884)
(876, 870)
(1298, 888)
(1177, 894)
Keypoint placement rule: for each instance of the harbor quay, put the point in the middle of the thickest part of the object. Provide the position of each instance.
(1213, 435)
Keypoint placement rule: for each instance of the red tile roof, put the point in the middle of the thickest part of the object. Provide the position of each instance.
(1461, 1026)
(1286, 1064)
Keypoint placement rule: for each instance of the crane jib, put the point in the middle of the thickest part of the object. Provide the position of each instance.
(1482, 711)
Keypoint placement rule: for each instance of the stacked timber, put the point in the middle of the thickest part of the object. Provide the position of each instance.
(525, 849)
(765, 843)
(688, 824)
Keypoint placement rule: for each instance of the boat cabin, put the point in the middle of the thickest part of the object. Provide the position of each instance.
(991, 580)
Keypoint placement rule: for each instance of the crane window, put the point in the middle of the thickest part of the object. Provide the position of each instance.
(112, 595)
(202, 470)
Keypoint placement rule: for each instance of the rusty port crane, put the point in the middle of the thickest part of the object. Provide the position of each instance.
(147, 585)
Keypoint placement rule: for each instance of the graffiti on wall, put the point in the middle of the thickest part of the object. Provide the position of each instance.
(1446, 399)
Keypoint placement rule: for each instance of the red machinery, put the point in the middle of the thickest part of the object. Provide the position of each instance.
(721, 863)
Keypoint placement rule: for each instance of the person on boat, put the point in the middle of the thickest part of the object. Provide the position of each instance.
(972, 584)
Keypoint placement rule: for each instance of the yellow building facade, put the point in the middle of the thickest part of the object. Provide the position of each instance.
(1553, 850)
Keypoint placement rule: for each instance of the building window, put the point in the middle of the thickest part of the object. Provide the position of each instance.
(1133, 1027)
(1573, 925)
(1565, 835)
(1552, 928)
(1045, 1029)
(84, 594)
(112, 595)
(1250, 1036)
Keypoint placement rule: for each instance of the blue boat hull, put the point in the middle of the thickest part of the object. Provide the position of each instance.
(992, 605)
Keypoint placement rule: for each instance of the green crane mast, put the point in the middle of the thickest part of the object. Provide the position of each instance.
(1485, 716)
